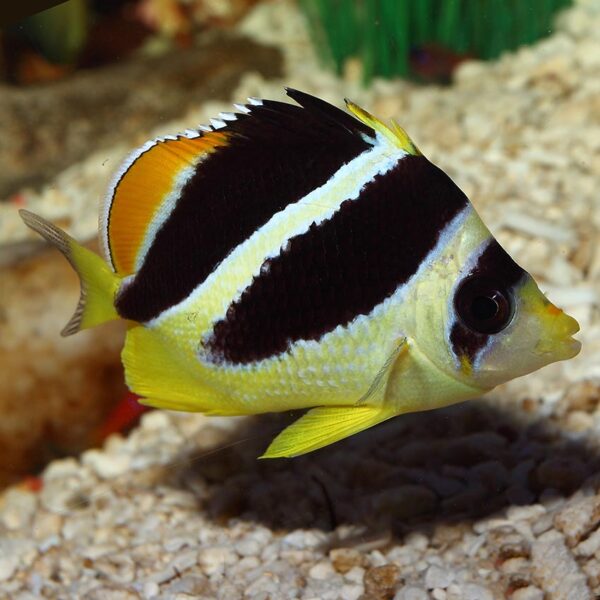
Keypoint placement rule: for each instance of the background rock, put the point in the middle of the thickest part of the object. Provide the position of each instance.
(46, 128)
(54, 390)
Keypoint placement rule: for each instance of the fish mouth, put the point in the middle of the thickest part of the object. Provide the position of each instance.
(570, 327)
(555, 350)
(559, 343)
(569, 343)
(570, 348)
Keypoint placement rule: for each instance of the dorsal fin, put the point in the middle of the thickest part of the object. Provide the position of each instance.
(144, 192)
(394, 134)
(313, 120)
(149, 185)
(329, 112)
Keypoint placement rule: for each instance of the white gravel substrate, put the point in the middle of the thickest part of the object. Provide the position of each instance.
(466, 503)
(490, 499)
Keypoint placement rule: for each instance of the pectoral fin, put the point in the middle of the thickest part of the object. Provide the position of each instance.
(322, 426)
(378, 387)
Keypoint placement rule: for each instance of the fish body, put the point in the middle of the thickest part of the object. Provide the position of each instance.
(293, 257)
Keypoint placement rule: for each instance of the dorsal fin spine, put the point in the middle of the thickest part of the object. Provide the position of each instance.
(394, 134)
(145, 185)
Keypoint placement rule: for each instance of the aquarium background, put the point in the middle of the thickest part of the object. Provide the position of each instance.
(492, 499)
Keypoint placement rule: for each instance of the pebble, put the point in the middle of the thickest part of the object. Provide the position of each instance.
(214, 559)
(590, 546)
(248, 547)
(403, 555)
(380, 580)
(303, 539)
(411, 593)
(577, 518)
(418, 541)
(193, 585)
(474, 591)
(8, 566)
(438, 577)
(322, 570)
(355, 575)
(18, 510)
(351, 592)
(150, 589)
(344, 559)
(529, 592)
(525, 513)
(555, 567)
(106, 466)
(579, 421)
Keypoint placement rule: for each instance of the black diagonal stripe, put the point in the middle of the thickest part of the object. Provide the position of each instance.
(276, 155)
(494, 264)
(343, 267)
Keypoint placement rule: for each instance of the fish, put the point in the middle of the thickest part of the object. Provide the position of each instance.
(302, 257)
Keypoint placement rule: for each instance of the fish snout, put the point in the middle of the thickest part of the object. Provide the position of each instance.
(558, 329)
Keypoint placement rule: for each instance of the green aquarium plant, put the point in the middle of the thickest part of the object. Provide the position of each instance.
(385, 34)
(60, 32)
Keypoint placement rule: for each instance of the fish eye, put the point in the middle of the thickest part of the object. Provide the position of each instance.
(483, 305)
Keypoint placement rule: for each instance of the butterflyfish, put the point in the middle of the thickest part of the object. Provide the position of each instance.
(302, 257)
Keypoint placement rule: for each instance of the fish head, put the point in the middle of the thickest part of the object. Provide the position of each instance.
(536, 334)
(501, 325)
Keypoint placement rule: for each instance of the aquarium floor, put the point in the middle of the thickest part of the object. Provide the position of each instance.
(492, 499)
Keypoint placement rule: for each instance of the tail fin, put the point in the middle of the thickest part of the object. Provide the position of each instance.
(99, 284)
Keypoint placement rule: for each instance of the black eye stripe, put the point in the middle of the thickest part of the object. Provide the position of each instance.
(497, 273)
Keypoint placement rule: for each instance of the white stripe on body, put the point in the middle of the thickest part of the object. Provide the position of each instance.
(227, 282)
(358, 350)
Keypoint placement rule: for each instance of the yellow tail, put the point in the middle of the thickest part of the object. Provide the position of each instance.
(99, 284)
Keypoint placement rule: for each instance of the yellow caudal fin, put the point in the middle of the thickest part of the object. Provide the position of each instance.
(99, 284)
(322, 426)
(156, 373)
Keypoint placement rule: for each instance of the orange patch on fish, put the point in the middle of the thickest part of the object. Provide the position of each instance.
(554, 310)
(153, 176)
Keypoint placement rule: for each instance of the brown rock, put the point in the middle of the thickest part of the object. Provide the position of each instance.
(344, 559)
(47, 128)
(55, 390)
(380, 582)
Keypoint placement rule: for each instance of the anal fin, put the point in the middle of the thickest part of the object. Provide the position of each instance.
(322, 426)
(153, 371)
